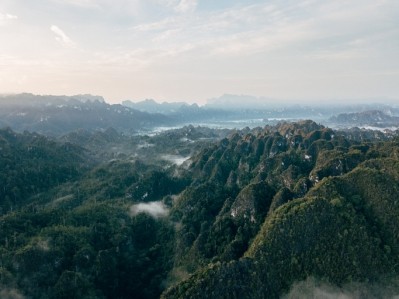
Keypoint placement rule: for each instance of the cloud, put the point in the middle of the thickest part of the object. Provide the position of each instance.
(114, 9)
(156, 209)
(11, 17)
(7, 17)
(11, 294)
(175, 159)
(237, 30)
(312, 288)
(179, 6)
(185, 6)
(61, 37)
(79, 3)
(156, 26)
(257, 29)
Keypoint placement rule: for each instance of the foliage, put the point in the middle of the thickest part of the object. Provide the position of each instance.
(248, 216)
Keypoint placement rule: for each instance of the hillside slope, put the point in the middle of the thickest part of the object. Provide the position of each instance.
(328, 209)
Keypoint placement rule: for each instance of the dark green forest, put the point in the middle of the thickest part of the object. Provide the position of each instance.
(249, 215)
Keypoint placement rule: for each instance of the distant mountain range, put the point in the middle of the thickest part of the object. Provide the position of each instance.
(55, 115)
(182, 112)
(241, 107)
(58, 115)
(150, 105)
(375, 118)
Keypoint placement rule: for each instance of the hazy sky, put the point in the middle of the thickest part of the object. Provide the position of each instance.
(197, 49)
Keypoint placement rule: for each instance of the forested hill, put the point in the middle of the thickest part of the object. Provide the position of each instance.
(31, 164)
(249, 215)
(293, 202)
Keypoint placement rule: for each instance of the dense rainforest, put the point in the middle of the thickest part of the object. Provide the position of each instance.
(244, 214)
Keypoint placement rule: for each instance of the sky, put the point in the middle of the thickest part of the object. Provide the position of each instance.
(193, 50)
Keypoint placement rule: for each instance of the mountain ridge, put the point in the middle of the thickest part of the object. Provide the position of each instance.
(57, 115)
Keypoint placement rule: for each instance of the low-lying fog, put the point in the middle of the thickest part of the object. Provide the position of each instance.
(156, 209)
(175, 159)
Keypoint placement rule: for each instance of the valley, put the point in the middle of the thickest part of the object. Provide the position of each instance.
(198, 212)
